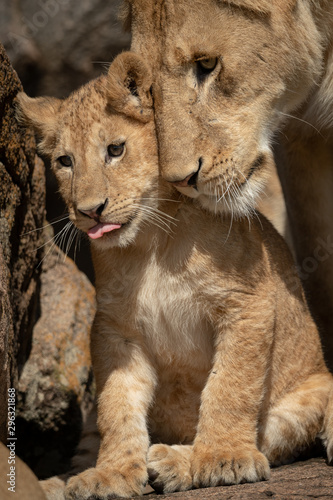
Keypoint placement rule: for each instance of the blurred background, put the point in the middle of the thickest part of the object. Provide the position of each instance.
(55, 46)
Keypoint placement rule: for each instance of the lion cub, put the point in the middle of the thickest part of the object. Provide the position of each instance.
(198, 344)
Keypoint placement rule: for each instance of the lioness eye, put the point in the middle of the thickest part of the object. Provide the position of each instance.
(207, 65)
(115, 150)
(65, 161)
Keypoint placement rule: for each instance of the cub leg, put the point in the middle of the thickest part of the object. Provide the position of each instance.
(225, 449)
(327, 434)
(54, 487)
(125, 384)
(295, 421)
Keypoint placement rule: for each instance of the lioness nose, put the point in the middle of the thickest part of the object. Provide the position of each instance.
(94, 212)
(190, 180)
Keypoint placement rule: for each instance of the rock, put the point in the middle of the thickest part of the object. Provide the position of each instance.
(57, 45)
(6, 343)
(56, 388)
(301, 481)
(26, 485)
(22, 210)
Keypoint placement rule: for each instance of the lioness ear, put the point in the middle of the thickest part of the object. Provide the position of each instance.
(128, 84)
(39, 113)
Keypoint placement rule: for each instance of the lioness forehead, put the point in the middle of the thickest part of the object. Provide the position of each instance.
(159, 12)
(262, 6)
(157, 15)
(179, 27)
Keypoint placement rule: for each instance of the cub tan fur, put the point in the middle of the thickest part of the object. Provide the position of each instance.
(231, 74)
(198, 343)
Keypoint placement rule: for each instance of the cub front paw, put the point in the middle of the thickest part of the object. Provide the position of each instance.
(54, 488)
(169, 468)
(211, 467)
(105, 483)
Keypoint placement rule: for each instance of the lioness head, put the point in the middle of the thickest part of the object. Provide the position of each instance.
(101, 141)
(226, 75)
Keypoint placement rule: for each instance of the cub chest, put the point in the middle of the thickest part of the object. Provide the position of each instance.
(170, 318)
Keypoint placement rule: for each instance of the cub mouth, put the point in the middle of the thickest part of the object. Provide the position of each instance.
(101, 228)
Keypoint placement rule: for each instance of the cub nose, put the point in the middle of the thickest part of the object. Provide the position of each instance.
(94, 212)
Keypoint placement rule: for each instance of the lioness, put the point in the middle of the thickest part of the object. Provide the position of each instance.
(198, 346)
(231, 74)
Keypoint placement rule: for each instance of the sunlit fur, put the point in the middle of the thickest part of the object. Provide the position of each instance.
(272, 87)
(207, 362)
(271, 57)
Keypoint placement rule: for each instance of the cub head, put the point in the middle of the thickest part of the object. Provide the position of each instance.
(102, 146)
(226, 73)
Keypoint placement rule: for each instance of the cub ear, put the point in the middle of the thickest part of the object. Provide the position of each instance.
(39, 113)
(128, 85)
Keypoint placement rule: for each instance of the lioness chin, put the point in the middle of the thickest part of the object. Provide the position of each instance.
(208, 365)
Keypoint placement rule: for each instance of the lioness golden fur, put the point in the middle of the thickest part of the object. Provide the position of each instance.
(231, 74)
(208, 367)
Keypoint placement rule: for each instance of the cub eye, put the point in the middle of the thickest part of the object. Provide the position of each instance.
(207, 65)
(65, 161)
(116, 150)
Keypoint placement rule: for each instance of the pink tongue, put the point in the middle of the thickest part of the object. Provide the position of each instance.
(98, 230)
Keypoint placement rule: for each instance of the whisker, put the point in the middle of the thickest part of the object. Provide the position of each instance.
(160, 212)
(167, 230)
(148, 221)
(70, 239)
(44, 244)
(246, 182)
(301, 120)
(226, 202)
(231, 221)
(77, 239)
(254, 212)
(62, 239)
(47, 253)
(145, 223)
(249, 221)
(47, 225)
(56, 240)
(228, 187)
(157, 199)
(147, 210)
(220, 193)
(154, 219)
(216, 187)
(158, 216)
